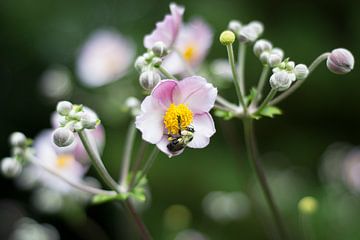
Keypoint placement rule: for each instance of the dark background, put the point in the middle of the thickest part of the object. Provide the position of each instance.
(37, 34)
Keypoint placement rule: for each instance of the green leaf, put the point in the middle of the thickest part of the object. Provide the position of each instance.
(101, 198)
(251, 96)
(270, 111)
(223, 114)
(139, 196)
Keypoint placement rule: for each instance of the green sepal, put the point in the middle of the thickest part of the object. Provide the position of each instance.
(268, 111)
(102, 198)
(226, 115)
(249, 98)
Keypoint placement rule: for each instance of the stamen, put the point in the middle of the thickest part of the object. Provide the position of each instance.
(177, 117)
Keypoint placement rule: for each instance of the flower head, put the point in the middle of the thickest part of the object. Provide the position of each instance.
(104, 58)
(192, 45)
(340, 61)
(167, 30)
(176, 115)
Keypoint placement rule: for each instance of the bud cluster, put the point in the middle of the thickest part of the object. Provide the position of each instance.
(73, 118)
(148, 63)
(286, 73)
(12, 166)
(246, 33)
(268, 55)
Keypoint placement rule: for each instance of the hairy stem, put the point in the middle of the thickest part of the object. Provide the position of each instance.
(260, 85)
(254, 159)
(268, 98)
(241, 62)
(129, 143)
(148, 164)
(166, 73)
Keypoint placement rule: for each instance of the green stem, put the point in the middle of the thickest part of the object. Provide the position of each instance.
(268, 98)
(97, 162)
(230, 52)
(139, 158)
(148, 164)
(298, 83)
(129, 143)
(166, 73)
(241, 62)
(256, 163)
(261, 85)
(226, 103)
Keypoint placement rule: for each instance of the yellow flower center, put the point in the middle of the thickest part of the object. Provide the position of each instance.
(177, 117)
(189, 52)
(64, 160)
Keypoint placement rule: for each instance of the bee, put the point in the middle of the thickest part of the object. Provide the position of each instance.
(179, 141)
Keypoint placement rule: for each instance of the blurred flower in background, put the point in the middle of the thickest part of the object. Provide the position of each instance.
(105, 57)
(29, 229)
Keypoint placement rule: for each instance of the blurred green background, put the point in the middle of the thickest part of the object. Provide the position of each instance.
(35, 35)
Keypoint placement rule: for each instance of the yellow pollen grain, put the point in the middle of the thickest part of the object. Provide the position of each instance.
(189, 53)
(64, 160)
(177, 117)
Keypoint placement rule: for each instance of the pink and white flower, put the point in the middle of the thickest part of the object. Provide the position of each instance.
(190, 48)
(167, 30)
(105, 57)
(175, 107)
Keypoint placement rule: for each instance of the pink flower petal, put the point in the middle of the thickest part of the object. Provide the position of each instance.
(204, 129)
(150, 120)
(162, 145)
(197, 93)
(163, 92)
(166, 30)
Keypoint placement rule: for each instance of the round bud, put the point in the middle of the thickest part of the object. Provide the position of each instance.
(308, 205)
(261, 46)
(301, 71)
(264, 57)
(148, 56)
(88, 121)
(140, 63)
(132, 102)
(235, 26)
(156, 61)
(278, 52)
(10, 167)
(340, 61)
(64, 108)
(63, 137)
(280, 81)
(248, 34)
(274, 60)
(17, 139)
(149, 79)
(159, 49)
(290, 65)
(257, 26)
(227, 37)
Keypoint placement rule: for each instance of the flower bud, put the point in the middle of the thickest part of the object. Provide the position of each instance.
(290, 66)
(159, 49)
(235, 26)
(63, 137)
(132, 102)
(156, 61)
(257, 26)
(64, 108)
(17, 139)
(248, 34)
(278, 52)
(308, 205)
(274, 60)
(88, 121)
(301, 71)
(227, 37)
(149, 79)
(340, 61)
(140, 63)
(148, 56)
(10, 167)
(280, 81)
(261, 46)
(264, 57)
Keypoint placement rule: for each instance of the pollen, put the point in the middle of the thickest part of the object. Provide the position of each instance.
(189, 53)
(177, 117)
(64, 160)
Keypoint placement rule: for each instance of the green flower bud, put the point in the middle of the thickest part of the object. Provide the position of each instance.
(227, 37)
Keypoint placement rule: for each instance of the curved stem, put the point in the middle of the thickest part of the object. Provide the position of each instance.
(226, 103)
(241, 62)
(78, 185)
(254, 159)
(147, 166)
(260, 85)
(97, 162)
(129, 143)
(268, 98)
(298, 83)
(145, 235)
(166, 73)
(237, 83)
